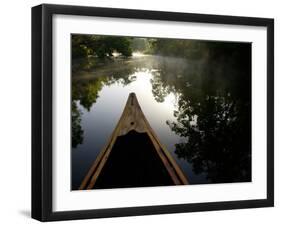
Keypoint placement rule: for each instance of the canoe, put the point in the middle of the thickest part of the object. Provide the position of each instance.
(133, 156)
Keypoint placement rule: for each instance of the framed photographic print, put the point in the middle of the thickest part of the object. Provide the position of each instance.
(147, 112)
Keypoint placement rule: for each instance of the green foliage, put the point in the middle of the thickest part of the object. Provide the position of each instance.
(80, 46)
(140, 45)
(213, 115)
(218, 142)
(100, 46)
(177, 47)
(86, 91)
(77, 132)
(194, 49)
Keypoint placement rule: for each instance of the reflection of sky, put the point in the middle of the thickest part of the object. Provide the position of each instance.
(112, 100)
(103, 116)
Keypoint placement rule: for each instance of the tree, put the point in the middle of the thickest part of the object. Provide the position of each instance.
(100, 46)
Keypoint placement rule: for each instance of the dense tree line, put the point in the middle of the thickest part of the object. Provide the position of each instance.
(194, 49)
(105, 46)
(100, 46)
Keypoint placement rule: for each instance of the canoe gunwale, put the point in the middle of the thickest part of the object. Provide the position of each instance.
(133, 118)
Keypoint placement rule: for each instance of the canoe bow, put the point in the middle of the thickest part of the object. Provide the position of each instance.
(133, 118)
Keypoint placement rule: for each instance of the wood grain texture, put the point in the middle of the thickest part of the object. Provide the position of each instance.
(133, 118)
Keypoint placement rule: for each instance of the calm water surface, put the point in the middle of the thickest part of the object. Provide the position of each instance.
(189, 104)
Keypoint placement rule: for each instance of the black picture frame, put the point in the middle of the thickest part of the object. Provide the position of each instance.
(42, 111)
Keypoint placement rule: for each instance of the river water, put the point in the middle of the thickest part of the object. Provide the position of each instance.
(190, 104)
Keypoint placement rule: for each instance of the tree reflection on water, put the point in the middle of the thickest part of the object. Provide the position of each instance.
(213, 115)
(86, 88)
(77, 131)
(213, 110)
(218, 143)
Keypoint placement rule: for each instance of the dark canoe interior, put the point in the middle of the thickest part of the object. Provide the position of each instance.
(133, 162)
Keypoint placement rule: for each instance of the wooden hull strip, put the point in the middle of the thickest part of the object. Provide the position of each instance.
(133, 118)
